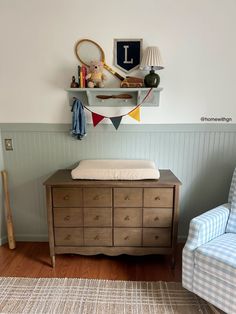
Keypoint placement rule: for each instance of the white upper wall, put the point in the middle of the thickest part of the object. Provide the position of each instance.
(196, 39)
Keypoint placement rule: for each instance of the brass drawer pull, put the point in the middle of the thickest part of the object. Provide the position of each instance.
(157, 198)
(156, 237)
(97, 237)
(96, 197)
(66, 218)
(156, 218)
(126, 238)
(126, 218)
(66, 197)
(127, 198)
(96, 217)
(68, 237)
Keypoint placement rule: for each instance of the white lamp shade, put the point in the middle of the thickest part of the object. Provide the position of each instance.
(151, 59)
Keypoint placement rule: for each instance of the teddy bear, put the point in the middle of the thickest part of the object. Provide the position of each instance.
(95, 77)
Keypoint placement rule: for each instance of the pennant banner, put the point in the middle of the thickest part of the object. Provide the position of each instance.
(116, 121)
(96, 118)
(135, 114)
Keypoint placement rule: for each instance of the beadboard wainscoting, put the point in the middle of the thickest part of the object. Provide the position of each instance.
(201, 156)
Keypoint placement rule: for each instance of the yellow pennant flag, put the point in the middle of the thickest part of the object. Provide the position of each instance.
(135, 114)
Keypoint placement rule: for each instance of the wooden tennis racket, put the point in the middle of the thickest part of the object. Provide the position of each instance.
(8, 211)
(87, 50)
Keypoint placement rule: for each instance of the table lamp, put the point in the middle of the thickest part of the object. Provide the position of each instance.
(151, 61)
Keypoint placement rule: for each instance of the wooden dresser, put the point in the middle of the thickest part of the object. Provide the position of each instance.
(90, 217)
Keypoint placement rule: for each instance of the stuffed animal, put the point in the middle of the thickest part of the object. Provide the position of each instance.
(95, 76)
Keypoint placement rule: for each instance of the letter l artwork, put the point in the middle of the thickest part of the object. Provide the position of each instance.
(126, 55)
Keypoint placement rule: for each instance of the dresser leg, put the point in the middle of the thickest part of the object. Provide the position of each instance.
(53, 261)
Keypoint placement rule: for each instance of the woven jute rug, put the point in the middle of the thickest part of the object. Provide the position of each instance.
(55, 295)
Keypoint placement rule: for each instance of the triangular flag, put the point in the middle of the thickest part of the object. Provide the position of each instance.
(96, 118)
(135, 114)
(116, 121)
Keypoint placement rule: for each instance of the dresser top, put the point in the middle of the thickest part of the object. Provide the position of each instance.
(63, 178)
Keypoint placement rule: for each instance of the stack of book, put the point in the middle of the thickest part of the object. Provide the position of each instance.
(82, 72)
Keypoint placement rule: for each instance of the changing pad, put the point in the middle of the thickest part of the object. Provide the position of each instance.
(115, 170)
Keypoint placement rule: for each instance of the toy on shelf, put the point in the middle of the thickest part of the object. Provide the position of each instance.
(74, 84)
(132, 82)
(95, 77)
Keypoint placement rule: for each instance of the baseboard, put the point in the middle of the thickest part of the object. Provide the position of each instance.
(3, 240)
(31, 237)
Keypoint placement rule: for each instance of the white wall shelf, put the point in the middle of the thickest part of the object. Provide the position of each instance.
(88, 96)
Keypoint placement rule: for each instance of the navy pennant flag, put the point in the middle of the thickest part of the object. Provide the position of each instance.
(116, 121)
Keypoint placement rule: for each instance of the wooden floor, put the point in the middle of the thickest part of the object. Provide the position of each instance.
(31, 259)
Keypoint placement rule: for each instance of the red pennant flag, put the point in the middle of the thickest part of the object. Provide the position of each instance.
(96, 118)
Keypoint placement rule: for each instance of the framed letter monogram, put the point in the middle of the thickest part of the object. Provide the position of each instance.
(127, 54)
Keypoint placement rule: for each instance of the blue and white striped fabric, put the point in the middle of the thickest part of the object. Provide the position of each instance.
(209, 259)
(232, 187)
(214, 290)
(218, 257)
(231, 226)
(203, 229)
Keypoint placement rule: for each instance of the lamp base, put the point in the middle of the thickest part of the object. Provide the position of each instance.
(152, 79)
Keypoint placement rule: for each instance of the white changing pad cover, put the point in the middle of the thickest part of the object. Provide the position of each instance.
(107, 169)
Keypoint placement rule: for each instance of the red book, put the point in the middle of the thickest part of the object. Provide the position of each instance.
(84, 71)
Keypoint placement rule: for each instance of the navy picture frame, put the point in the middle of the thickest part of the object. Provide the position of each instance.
(127, 54)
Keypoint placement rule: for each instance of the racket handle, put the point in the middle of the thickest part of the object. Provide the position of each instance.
(113, 72)
(119, 76)
(8, 213)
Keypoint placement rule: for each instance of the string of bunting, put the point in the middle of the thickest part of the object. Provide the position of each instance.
(116, 120)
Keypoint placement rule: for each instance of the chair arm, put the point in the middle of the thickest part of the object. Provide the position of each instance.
(203, 229)
(207, 226)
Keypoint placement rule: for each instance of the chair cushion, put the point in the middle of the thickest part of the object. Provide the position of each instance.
(218, 257)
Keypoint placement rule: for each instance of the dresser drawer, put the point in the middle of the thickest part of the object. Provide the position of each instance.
(157, 217)
(158, 197)
(127, 237)
(97, 217)
(69, 236)
(98, 236)
(67, 197)
(157, 237)
(68, 217)
(128, 197)
(97, 197)
(127, 217)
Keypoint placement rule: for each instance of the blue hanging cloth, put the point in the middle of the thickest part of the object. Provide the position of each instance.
(78, 120)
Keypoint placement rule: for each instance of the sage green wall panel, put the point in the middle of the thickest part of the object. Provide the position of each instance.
(202, 156)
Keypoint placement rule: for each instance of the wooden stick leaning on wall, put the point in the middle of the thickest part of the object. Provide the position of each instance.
(8, 211)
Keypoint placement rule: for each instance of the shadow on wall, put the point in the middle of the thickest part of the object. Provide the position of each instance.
(208, 190)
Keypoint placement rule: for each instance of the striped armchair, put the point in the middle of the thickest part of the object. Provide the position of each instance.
(209, 255)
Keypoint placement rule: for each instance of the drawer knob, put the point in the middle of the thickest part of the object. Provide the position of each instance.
(66, 197)
(156, 237)
(126, 238)
(68, 237)
(126, 198)
(97, 237)
(96, 197)
(157, 198)
(156, 218)
(66, 218)
(96, 217)
(127, 218)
